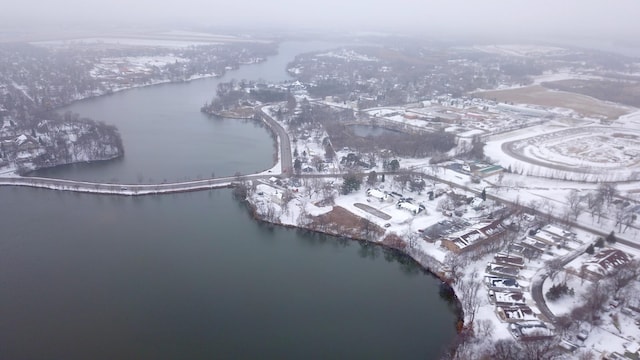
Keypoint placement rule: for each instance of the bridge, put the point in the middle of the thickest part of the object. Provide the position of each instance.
(285, 159)
(125, 189)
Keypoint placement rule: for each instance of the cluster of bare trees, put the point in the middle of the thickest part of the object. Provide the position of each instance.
(617, 284)
(398, 143)
(599, 203)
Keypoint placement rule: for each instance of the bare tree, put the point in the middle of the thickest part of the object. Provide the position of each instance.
(328, 193)
(412, 238)
(317, 163)
(607, 191)
(469, 299)
(574, 202)
(549, 207)
(303, 216)
(595, 204)
(586, 354)
(624, 275)
(455, 264)
(563, 324)
(628, 220)
(367, 228)
(271, 213)
(287, 196)
(537, 350)
(620, 214)
(484, 329)
(554, 266)
(505, 349)
(534, 205)
(372, 178)
(593, 299)
(403, 179)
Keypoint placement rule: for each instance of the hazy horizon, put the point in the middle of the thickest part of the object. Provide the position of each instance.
(488, 18)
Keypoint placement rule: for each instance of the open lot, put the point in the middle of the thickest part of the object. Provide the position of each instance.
(538, 95)
(592, 150)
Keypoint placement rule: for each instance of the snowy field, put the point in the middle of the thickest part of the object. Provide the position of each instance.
(523, 50)
(561, 151)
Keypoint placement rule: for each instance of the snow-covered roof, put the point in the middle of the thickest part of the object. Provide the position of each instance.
(408, 206)
(606, 261)
(501, 297)
(502, 283)
(21, 139)
(530, 329)
(507, 270)
(515, 313)
(376, 193)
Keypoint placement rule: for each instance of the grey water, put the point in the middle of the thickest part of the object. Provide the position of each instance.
(192, 275)
(166, 137)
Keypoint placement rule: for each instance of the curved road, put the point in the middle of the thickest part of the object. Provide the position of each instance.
(286, 161)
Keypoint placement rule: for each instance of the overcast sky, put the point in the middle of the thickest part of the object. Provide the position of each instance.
(617, 18)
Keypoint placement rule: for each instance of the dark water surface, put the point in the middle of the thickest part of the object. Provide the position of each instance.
(167, 138)
(192, 276)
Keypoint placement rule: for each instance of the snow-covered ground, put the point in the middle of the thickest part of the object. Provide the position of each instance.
(559, 150)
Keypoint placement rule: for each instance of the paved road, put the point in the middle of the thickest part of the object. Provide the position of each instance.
(125, 189)
(286, 161)
(508, 148)
(538, 281)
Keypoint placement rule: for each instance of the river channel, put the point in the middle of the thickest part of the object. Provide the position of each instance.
(193, 276)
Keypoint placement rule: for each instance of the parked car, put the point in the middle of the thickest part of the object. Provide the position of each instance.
(583, 335)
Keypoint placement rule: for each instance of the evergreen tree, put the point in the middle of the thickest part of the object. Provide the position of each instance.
(590, 250)
(611, 238)
(372, 178)
(484, 195)
(394, 165)
(600, 242)
(352, 182)
(297, 166)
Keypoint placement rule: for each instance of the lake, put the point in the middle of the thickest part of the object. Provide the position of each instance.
(192, 275)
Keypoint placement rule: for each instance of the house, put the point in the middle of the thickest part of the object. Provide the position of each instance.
(515, 313)
(476, 203)
(553, 235)
(487, 171)
(530, 330)
(509, 259)
(414, 209)
(605, 262)
(375, 193)
(506, 298)
(535, 245)
(474, 237)
(502, 284)
(502, 270)
(26, 143)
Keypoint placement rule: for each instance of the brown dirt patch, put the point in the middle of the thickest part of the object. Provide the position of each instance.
(622, 92)
(394, 241)
(341, 222)
(539, 95)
